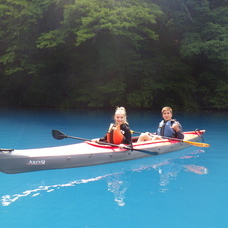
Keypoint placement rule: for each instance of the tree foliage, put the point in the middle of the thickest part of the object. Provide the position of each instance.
(87, 19)
(103, 53)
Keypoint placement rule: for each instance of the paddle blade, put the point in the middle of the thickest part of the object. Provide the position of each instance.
(198, 144)
(135, 132)
(58, 134)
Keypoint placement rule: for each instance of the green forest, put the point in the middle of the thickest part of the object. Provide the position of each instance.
(142, 54)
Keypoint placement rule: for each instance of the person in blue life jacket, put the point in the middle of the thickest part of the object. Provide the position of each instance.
(168, 127)
(119, 132)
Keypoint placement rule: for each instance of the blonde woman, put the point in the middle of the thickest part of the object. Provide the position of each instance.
(119, 132)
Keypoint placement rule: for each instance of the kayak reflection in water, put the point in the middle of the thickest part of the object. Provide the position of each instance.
(119, 132)
(169, 169)
(117, 180)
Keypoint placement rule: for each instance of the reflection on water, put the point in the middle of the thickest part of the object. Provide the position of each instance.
(6, 200)
(118, 187)
(117, 183)
(169, 169)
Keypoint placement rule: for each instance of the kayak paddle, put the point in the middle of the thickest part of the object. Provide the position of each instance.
(181, 140)
(60, 135)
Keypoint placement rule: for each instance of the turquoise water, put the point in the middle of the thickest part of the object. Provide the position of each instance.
(187, 188)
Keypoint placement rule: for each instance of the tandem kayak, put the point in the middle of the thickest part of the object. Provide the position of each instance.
(89, 153)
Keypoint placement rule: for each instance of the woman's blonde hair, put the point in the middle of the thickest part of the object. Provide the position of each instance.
(166, 109)
(121, 110)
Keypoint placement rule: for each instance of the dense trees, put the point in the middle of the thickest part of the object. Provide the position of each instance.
(137, 53)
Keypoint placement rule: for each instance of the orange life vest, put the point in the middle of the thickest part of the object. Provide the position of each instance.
(114, 134)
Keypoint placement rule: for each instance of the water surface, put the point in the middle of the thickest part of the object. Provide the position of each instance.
(186, 188)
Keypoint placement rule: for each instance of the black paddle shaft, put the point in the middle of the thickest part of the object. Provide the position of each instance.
(59, 135)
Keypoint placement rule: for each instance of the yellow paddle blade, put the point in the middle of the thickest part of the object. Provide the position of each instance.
(197, 144)
(135, 132)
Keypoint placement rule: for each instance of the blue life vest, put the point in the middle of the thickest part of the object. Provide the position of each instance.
(165, 129)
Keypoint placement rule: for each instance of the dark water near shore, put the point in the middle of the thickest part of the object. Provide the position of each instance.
(187, 188)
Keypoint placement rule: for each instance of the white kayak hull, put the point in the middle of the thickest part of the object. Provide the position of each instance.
(86, 154)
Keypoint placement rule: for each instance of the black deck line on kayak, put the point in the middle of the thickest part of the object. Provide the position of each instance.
(6, 150)
(146, 152)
